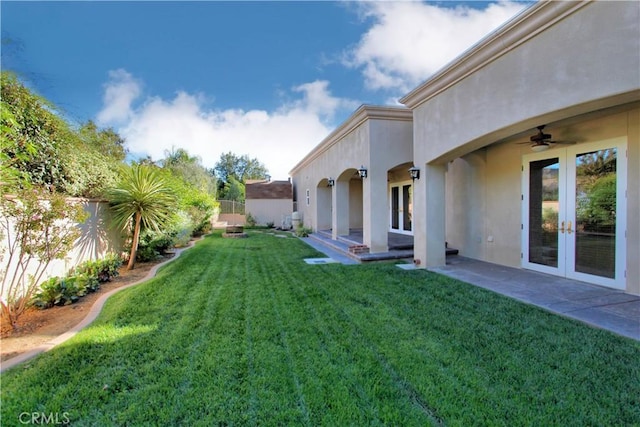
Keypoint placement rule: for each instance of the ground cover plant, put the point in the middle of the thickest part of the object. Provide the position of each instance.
(243, 332)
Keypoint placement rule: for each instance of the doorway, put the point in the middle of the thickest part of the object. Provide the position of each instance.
(401, 209)
(574, 212)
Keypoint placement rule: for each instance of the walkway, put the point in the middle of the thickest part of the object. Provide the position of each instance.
(597, 306)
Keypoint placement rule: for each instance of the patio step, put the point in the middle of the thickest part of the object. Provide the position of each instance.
(356, 250)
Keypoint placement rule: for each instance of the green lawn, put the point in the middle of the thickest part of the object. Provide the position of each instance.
(243, 332)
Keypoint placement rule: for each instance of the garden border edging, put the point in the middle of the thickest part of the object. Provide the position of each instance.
(93, 313)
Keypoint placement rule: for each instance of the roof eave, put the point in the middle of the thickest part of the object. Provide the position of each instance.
(521, 28)
(362, 114)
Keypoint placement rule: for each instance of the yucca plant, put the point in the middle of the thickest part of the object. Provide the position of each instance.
(142, 198)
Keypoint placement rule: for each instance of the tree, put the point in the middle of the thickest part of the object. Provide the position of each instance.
(39, 226)
(233, 190)
(39, 148)
(233, 171)
(241, 168)
(89, 169)
(32, 134)
(10, 176)
(107, 141)
(143, 199)
(190, 169)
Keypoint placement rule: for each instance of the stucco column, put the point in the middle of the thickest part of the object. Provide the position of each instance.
(340, 214)
(375, 221)
(323, 207)
(633, 205)
(429, 215)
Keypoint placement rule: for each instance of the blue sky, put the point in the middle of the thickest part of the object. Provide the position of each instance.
(267, 79)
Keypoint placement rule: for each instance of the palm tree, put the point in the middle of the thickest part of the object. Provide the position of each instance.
(143, 197)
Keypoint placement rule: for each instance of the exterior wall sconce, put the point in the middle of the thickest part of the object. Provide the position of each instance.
(414, 172)
(331, 182)
(362, 172)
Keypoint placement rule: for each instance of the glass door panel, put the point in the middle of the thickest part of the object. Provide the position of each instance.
(544, 207)
(595, 223)
(407, 207)
(395, 208)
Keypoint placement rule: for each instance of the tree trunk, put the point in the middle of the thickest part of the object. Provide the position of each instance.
(134, 243)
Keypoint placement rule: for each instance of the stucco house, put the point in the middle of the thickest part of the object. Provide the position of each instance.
(269, 201)
(525, 152)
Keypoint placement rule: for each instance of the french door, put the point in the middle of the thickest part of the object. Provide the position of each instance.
(574, 212)
(401, 209)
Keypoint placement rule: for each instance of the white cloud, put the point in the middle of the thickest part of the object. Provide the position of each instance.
(409, 41)
(279, 139)
(318, 100)
(119, 93)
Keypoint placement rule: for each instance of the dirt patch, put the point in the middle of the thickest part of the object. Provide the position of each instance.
(36, 327)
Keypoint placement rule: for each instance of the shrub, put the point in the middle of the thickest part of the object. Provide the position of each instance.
(303, 231)
(64, 291)
(201, 229)
(250, 220)
(103, 269)
(182, 228)
(146, 254)
(153, 244)
(50, 293)
(270, 224)
(83, 279)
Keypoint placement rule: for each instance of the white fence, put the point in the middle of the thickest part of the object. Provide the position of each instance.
(97, 239)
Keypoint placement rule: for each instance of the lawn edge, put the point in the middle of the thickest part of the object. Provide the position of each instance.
(92, 315)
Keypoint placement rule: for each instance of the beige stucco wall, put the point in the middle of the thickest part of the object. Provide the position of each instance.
(483, 192)
(269, 210)
(350, 153)
(97, 239)
(587, 61)
(572, 66)
(378, 138)
(633, 203)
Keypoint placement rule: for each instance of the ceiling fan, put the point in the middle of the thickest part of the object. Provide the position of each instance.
(541, 141)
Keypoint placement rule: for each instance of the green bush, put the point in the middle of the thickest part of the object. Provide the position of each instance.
(250, 220)
(64, 291)
(102, 269)
(81, 280)
(303, 231)
(50, 292)
(201, 229)
(152, 245)
(182, 228)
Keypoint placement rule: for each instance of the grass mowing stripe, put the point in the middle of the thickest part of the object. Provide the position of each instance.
(463, 343)
(278, 310)
(365, 383)
(223, 334)
(357, 335)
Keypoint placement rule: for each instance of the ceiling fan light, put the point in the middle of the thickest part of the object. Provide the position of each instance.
(539, 147)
